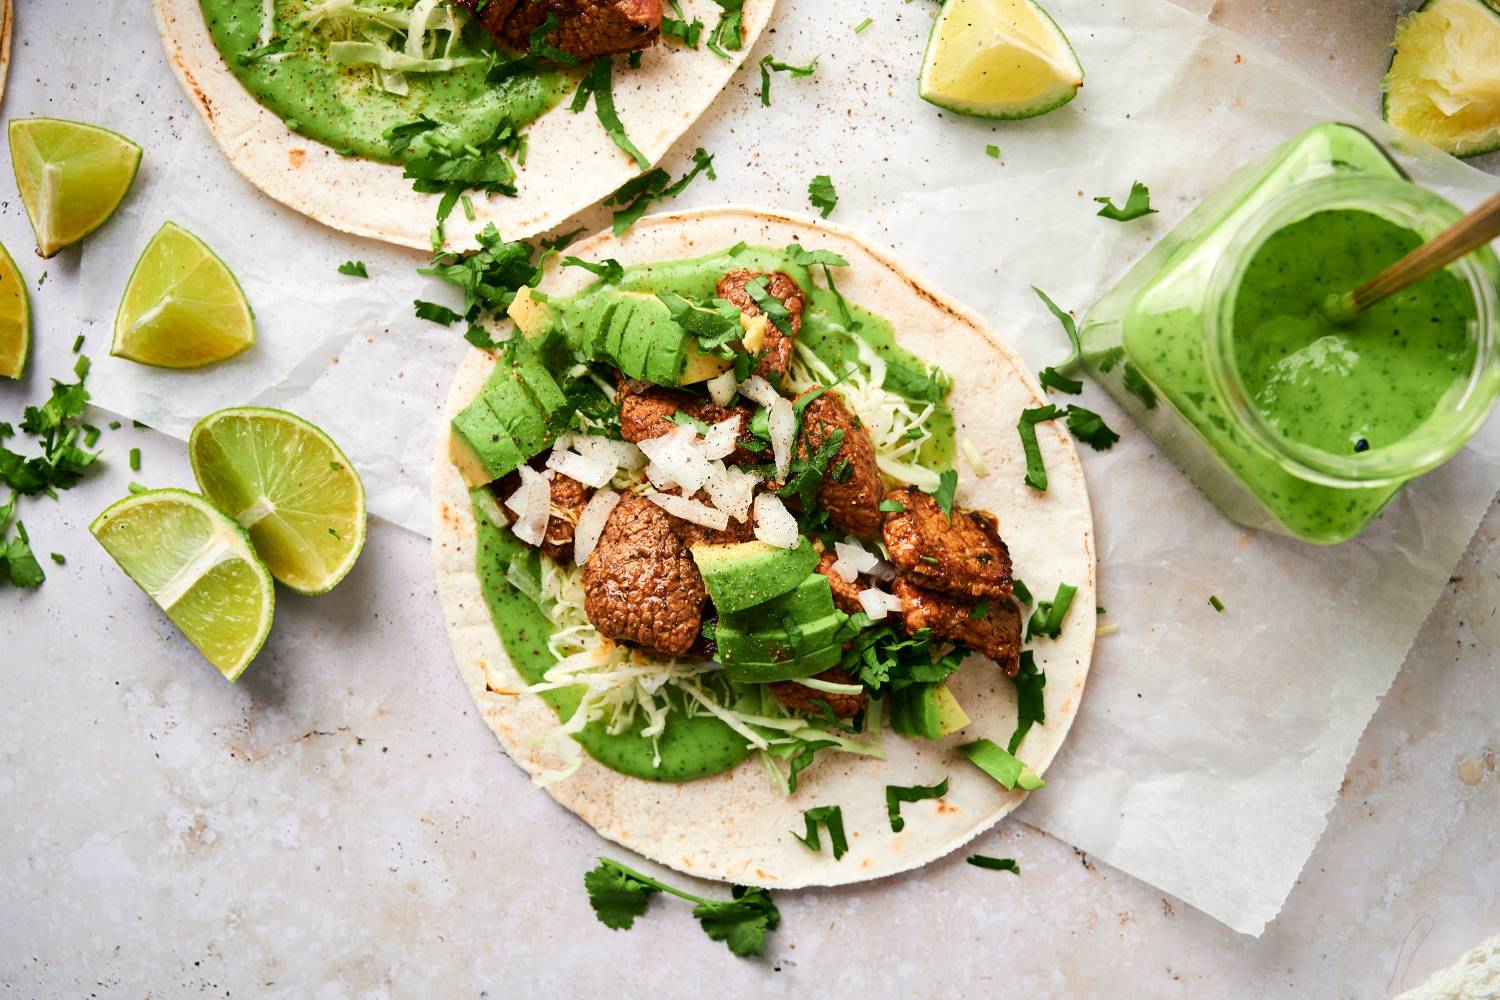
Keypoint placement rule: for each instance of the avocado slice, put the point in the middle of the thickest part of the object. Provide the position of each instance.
(741, 575)
(951, 715)
(533, 317)
(765, 673)
(767, 642)
(519, 415)
(480, 446)
(928, 711)
(528, 367)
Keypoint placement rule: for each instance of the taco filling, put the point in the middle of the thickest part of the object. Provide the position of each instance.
(716, 517)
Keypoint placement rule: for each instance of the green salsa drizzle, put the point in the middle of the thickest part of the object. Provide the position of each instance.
(345, 108)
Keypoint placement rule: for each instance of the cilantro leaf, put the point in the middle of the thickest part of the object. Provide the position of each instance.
(687, 34)
(804, 758)
(1090, 428)
(768, 63)
(684, 418)
(1023, 594)
(897, 794)
(1001, 765)
(1030, 706)
(713, 329)
(19, 561)
(637, 194)
(609, 269)
(800, 255)
(399, 137)
(1215, 603)
(432, 312)
(926, 387)
(821, 194)
(806, 472)
(775, 310)
(741, 922)
(354, 269)
(1137, 204)
(1036, 471)
(252, 56)
(832, 818)
(617, 894)
(1054, 379)
(599, 84)
(728, 33)
(943, 495)
(1048, 617)
(537, 44)
(1052, 376)
(980, 612)
(995, 864)
(489, 276)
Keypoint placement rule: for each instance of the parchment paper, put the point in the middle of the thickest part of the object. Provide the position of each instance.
(1210, 746)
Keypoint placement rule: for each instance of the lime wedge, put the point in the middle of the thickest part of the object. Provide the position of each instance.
(998, 59)
(15, 319)
(198, 566)
(1444, 82)
(72, 177)
(290, 486)
(182, 307)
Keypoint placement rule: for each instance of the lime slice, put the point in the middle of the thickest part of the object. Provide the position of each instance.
(998, 59)
(72, 177)
(15, 319)
(290, 486)
(1444, 82)
(182, 307)
(198, 566)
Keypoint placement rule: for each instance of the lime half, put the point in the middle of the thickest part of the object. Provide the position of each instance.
(1444, 82)
(72, 177)
(182, 307)
(998, 59)
(198, 566)
(290, 486)
(15, 319)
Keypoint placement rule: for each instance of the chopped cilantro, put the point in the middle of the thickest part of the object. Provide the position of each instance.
(927, 387)
(356, 268)
(995, 864)
(77, 343)
(980, 611)
(252, 56)
(714, 328)
(992, 151)
(1052, 376)
(1001, 765)
(135, 460)
(884, 658)
(489, 276)
(832, 817)
(1022, 593)
(1054, 379)
(16, 558)
(892, 507)
(599, 84)
(1030, 706)
(619, 894)
(136, 487)
(1217, 604)
(810, 748)
(1036, 470)
(114, 425)
(769, 304)
(608, 269)
(399, 137)
(1090, 428)
(1137, 386)
(897, 794)
(688, 34)
(537, 44)
(58, 558)
(637, 194)
(768, 63)
(1048, 617)
(728, 32)
(58, 427)
(432, 312)
(436, 164)
(934, 560)
(686, 419)
(806, 472)
(1137, 204)
(800, 255)
(861, 26)
(943, 495)
(821, 194)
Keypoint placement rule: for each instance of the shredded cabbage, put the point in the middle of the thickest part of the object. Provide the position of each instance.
(392, 39)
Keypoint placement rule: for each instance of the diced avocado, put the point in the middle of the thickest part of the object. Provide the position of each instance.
(743, 574)
(544, 389)
(533, 317)
(768, 642)
(951, 715)
(764, 673)
(480, 447)
(700, 367)
(928, 711)
(519, 415)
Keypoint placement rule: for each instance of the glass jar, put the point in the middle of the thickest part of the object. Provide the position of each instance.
(1290, 422)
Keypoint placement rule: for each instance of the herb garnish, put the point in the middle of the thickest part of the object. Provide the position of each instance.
(1030, 706)
(806, 472)
(1022, 592)
(599, 83)
(679, 28)
(995, 864)
(1217, 604)
(861, 26)
(821, 194)
(609, 269)
(638, 193)
(1051, 376)
(1137, 204)
(943, 495)
(1090, 428)
(539, 46)
(619, 894)
(992, 151)
(768, 63)
(354, 269)
(800, 255)
(897, 794)
(432, 312)
(728, 32)
(1048, 617)
(252, 56)
(832, 817)
(892, 507)
(17, 562)
(980, 612)
(1001, 765)
(1036, 470)
(885, 659)
(714, 327)
(769, 304)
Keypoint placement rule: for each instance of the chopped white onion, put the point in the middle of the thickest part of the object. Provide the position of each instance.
(720, 439)
(783, 427)
(774, 524)
(596, 448)
(532, 504)
(758, 390)
(852, 560)
(675, 461)
(877, 603)
(731, 490)
(591, 523)
(487, 505)
(883, 571)
(587, 471)
(974, 458)
(721, 388)
(691, 510)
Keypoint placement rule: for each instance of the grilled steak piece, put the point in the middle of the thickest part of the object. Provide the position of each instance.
(845, 594)
(586, 28)
(964, 557)
(996, 635)
(776, 356)
(805, 699)
(646, 412)
(850, 493)
(641, 585)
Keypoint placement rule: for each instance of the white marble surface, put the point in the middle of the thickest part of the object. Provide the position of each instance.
(340, 823)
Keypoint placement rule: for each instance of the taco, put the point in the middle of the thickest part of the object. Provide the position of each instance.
(733, 526)
(420, 122)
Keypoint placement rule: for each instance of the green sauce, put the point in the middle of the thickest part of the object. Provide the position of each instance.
(1362, 385)
(691, 747)
(344, 106)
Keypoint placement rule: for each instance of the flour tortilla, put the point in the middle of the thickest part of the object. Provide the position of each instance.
(7, 22)
(571, 163)
(735, 826)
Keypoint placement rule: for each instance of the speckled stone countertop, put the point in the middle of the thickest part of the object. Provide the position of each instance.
(341, 824)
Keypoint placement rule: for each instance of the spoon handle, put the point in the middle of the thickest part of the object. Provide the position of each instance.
(1467, 234)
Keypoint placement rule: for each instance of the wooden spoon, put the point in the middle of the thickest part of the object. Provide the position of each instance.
(1464, 236)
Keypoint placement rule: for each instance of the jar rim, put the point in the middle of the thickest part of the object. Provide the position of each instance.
(1413, 207)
